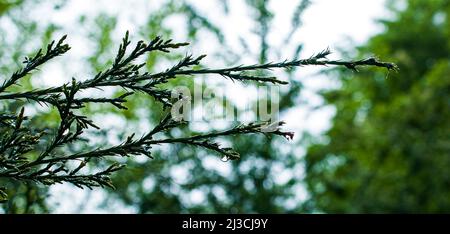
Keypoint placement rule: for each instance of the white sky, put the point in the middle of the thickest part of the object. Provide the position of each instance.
(327, 23)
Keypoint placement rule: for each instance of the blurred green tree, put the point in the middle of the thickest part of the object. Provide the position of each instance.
(26, 197)
(153, 185)
(388, 150)
(101, 33)
(243, 186)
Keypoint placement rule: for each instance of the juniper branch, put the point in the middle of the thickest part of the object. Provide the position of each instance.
(36, 61)
(56, 166)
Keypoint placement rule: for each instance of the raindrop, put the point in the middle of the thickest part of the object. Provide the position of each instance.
(225, 159)
(65, 132)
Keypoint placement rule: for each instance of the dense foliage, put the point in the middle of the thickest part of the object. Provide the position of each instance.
(388, 149)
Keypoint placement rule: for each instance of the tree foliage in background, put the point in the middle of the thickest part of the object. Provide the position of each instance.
(388, 149)
(26, 197)
(242, 186)
(255, 193)
(48, 155)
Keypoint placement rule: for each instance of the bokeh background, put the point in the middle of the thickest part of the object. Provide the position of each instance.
(366, 142)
